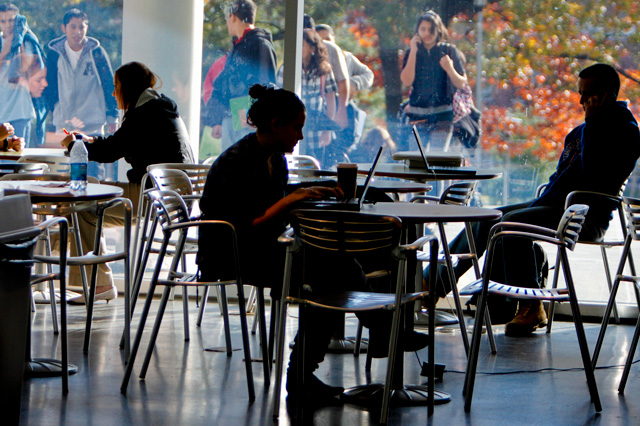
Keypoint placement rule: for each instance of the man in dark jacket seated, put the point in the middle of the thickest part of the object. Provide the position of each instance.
(599, 155)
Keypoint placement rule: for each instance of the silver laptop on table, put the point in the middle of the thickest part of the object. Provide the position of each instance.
(351, 205)
(439, 170)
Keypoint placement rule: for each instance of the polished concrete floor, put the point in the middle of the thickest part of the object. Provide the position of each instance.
(531, 381)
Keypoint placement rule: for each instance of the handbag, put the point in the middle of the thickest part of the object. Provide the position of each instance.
(466, 118)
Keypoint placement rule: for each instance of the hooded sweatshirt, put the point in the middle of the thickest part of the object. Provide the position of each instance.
(151, 133)
(252, 60)
(598, 155)
(84, 92)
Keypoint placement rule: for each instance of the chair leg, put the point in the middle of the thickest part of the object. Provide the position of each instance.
(629, 362)
(272, 327)
(90, 303)
(155, 331)
(472, 362)
(280, 338)
(552, 305)
(245, 343)
(582, 339)
(138, 339)
(185, 312)
(203, 305)
(626, 252)
(78, 243)
(356, 349)
(225, 320)
(263, 337)
(607, 271)
(52, 288)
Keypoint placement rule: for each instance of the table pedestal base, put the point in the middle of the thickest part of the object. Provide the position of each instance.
(370, 396)
(46, 367)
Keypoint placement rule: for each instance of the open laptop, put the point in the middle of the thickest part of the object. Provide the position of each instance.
(351, 205)
(439, 170)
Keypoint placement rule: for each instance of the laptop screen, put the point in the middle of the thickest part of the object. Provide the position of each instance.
(372, 172)
(420, 147)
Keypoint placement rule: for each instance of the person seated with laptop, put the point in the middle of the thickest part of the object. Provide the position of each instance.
(247, 186)
(598, 155)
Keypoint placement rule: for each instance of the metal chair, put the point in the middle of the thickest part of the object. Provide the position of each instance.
(351, 234)
(173, 215)
(56, 163)
(34, 168)
(92, 258)
(565, 237)
(632, 210)
(616, 203)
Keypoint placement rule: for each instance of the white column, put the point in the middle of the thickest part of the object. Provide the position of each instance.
(166, 35)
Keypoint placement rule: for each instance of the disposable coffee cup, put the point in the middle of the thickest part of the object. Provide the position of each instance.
(347, 179)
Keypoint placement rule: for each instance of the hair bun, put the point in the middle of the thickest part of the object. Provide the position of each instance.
(257, 91)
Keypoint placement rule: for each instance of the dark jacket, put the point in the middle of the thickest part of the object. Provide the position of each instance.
(252, 60)
(599, 155)
(240, 188)
(151, 133)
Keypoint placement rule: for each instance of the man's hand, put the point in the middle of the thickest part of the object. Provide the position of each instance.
(6, 130)
(592, 105)
(216, 131)
(15, 143)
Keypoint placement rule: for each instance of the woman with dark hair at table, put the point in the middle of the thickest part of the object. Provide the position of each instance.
(152, 132)
(434, 70)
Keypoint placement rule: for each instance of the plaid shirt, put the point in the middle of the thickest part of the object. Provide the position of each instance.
(314, 100)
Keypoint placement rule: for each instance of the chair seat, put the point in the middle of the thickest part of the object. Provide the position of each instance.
(87, 259)
(557, 295)
(356, 301)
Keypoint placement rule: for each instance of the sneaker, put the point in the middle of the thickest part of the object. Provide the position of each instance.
(530, 316)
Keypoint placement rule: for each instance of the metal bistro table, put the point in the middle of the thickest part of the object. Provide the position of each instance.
(402, 171)
(51, 192)
(414, 214)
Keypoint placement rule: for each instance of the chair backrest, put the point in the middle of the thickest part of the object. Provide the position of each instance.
(59, 177)
(169, 206)
(165, 179)
(197, 173)
(210, 160)
(571, 224)
(341, 232)
(632, 211)
(33, 168)
(302, 162)
(458, 194)
(56, 163)
(28, 176)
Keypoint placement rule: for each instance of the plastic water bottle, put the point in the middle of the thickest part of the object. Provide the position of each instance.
(79, 159)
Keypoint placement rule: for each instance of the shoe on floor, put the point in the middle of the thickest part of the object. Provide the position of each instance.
(530, 316)
(412, 341)
(316, 393)
(108, 295)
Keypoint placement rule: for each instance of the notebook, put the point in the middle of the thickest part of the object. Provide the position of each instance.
(439, 170)
(351, 205)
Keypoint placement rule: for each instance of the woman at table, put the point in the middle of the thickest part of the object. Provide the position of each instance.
(152, 132)
(434, 70)
(247, 186)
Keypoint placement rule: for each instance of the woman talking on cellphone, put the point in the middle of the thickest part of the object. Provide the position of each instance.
(434, 70)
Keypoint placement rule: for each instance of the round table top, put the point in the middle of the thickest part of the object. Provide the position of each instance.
(54, 191)
(424, 213)
(401, 171)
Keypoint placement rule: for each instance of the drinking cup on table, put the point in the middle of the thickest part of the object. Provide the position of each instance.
(347, 179)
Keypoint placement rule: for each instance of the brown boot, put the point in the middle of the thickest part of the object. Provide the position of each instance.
(530, 315)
